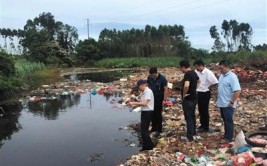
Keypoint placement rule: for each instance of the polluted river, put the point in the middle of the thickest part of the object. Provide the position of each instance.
(83, 121)
(81, 128)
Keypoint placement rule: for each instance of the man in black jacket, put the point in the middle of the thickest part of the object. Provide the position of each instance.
(158, 84)
(189, 97)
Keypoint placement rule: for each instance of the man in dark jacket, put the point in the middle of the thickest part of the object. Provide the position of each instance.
(158, 84)
(189, 97)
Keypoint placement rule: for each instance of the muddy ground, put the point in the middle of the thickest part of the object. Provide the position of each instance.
(171, 149)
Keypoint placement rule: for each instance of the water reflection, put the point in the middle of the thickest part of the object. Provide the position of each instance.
(65, 132)
(105, 77)
(9, 123)
(50, 108)
(47, 108)
(76, 137)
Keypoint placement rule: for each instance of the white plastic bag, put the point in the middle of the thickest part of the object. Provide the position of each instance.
(137, 109)
(239, 141)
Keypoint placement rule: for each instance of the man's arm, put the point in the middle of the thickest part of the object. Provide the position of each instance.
(212, 86)
(140, 103)
(185, 89)
(198, 82)
(234, 98)
(165, 93)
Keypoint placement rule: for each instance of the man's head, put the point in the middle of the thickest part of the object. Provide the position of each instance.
(199, 65)
(184, 65)
(223, 66)
(141, 84)
(153, 72)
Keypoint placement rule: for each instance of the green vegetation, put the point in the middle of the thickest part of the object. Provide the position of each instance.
(257, 59)
(24, 67)
(18, 75)
(138, 62)
(8, 81)
(34, 74)
(42, 77)
(45, 44)
(43, 39)
(237, 36)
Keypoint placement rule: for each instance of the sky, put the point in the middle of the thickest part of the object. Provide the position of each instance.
(197, 16)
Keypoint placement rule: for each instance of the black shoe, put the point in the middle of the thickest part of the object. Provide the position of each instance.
(190, 139)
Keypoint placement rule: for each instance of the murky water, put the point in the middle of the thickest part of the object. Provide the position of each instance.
(76, 130)
(105, 76)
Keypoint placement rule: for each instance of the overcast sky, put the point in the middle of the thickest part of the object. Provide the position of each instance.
(197, 16)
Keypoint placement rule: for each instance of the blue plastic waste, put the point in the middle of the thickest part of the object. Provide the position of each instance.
(94, 92)
(243, 149)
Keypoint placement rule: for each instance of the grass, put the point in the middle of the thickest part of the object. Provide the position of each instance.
(138, 62)
(44, 76)
(33, 74)
(258, 57)
(24, 67)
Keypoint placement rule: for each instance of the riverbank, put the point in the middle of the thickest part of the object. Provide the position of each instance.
(171, 148)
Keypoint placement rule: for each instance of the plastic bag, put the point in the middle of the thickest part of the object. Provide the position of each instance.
(239, 141)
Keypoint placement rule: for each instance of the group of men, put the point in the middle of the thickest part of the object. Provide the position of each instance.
(196, 90)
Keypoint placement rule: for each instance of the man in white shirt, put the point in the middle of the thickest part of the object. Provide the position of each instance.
(207, 82)
(147, 106)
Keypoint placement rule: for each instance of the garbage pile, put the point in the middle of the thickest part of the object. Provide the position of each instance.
(171, 147)
(207, 149)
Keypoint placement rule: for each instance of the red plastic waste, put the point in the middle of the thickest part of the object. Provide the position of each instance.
(168, 103)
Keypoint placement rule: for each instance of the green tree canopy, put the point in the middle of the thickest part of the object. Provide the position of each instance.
(237, 36)
(88, 50)
(44, 32)
(151, 41)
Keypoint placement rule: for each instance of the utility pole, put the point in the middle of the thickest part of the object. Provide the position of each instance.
(88, 27)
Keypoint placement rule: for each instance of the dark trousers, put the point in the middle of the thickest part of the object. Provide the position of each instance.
(227, 114)
(145, 122)
(157, 114)
(189, 107)
(203, 108)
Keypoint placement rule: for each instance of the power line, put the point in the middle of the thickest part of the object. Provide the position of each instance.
(164, 11)
(151, 13)
(88, 27)
(187, 9)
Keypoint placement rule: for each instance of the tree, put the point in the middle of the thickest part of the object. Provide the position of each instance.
(182, 48)
(165, 40)
(218, 44)
(262, 47)
(245, 33)
(88, 50)
(7, 66)
(8, 82)
(237, 36)
(44, 32)
(67, 36)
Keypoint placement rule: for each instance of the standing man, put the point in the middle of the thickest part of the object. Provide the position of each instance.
(228, 92)
(207, 82)
(158, 84)
(147, 106)
(189, 97)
